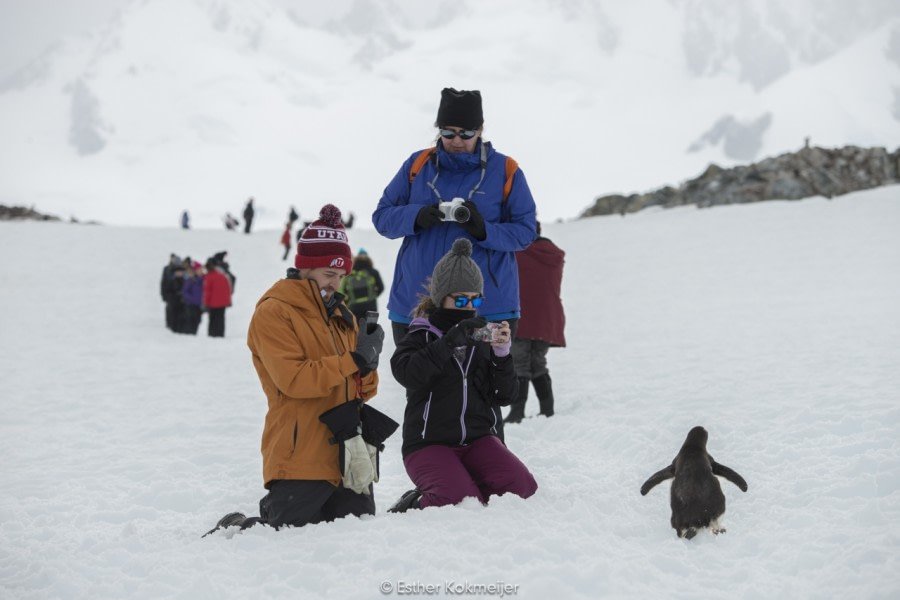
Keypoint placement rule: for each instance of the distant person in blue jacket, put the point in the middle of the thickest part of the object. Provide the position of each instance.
(192, 293)
(466, 171)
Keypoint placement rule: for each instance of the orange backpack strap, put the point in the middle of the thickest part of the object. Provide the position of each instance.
(511, 167)
(423, 157)
(419, 162)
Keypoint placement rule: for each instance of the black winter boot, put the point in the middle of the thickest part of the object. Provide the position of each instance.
(229, 520)
(544, 389)
(408, 501)
(517, 408)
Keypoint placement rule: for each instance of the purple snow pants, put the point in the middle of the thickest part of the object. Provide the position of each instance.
(446, 475)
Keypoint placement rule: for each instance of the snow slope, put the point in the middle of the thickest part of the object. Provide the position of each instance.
(774, 325)
(199, 104)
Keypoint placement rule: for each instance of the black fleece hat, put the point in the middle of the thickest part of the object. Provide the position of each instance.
(460, 108)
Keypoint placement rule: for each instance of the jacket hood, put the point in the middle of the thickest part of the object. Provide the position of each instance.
(463, 161)
(423, 323)
(304, 295)
(546, 252)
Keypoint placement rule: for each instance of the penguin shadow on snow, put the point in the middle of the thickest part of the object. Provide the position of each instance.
(696, 497)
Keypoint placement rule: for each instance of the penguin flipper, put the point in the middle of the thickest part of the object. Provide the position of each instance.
(729, 474)
(658, 477)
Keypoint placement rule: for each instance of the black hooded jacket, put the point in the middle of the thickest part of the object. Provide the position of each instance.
(453, 396)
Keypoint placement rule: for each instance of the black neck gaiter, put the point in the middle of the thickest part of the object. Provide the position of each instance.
(445, 318)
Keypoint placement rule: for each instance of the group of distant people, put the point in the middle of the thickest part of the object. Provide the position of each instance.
(232, 223)
(474, 306)
(190, 289)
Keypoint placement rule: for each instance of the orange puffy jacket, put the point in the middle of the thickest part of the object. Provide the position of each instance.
(302, 357)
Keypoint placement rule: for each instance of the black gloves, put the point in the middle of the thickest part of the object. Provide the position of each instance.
(358, 461)
(459, 334)
(429, 216)
(376, 426)
(343, 420)
(368, 348)
(475, 225)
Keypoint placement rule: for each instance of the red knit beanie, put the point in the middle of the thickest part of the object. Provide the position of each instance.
(324, 243)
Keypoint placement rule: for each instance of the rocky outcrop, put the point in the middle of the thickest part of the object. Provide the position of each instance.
(21, 213)
(809, 172)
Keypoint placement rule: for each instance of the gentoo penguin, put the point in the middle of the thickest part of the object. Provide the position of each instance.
(696, 497)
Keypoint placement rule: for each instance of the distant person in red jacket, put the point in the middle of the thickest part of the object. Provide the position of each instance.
(216, 296)
(286, 240)
(542, 323)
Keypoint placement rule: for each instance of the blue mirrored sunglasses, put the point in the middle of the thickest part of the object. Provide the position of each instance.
(466, 134)
(462, 301)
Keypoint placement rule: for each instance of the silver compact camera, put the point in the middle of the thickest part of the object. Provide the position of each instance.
(455, 211)
(488, 333)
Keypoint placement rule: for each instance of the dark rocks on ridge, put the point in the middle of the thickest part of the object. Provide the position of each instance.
(812, 171)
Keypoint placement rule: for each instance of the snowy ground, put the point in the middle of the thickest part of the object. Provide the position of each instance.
(776, 326)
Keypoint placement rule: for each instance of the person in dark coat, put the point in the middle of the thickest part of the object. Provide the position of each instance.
(167, 291)
(454, 389)
(172, 282)
(248, 215)
(216, 297)
(542, 325)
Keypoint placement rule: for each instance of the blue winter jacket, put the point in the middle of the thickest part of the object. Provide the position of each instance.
(509, 226)
(192, 290)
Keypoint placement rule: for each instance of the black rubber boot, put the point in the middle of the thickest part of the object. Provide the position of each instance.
(408, 501)
(543, 386)
(517, 408)
(229, 520)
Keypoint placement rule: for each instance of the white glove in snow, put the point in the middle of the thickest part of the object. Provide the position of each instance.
(360, 465)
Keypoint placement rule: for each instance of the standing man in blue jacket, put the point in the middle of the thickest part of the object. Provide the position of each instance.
(461, 187)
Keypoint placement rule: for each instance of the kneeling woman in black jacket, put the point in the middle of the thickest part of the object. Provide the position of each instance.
(455, 386)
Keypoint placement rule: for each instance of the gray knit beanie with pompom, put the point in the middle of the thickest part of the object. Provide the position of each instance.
(456, 272)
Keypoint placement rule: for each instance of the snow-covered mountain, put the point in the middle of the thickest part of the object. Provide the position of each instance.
(199, 104)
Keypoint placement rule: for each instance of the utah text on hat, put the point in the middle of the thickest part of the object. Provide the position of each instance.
(333, 234)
